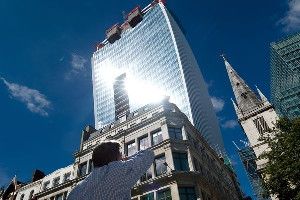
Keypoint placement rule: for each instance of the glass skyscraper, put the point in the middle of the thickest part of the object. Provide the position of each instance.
(285, 76)
(152, 51)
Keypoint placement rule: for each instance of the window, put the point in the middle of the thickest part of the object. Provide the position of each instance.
(82, 169)
(22, 197)
(31, 194)
(181, 161)
(147, 175)
(91, 166)
(156, 137)
(175, 133)
(144, 143)
(187, 193)
(261, 125)
(131, 149)
(164, 194)
(59, 197)
(160, 167)
(196, 164)
(132, 124)
(67, 176)
(65, 195)
(56, 181)
(149, 196)
(244, 94)
(46, 185)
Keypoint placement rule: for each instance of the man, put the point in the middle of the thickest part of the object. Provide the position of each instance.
(112, 177)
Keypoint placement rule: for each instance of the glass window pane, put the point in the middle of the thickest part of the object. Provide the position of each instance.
(160, 168)
(56, 181)
(147, 175)
(157, 137)
(181, 161)
(164, 194)
(67, 176)
(175, 133)
(187, 193)
(59, 197)
(144, 143)
(82, 169)
(131, 148)
(149, 196)
(46, 185)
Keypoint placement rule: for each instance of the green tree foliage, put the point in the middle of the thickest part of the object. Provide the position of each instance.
(282, 172)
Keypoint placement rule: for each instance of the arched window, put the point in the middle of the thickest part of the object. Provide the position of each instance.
(31, 194)
(22, 197)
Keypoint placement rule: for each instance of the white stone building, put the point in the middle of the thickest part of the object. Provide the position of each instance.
(185, 166)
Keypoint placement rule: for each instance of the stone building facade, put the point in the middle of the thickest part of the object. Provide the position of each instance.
(185, 166)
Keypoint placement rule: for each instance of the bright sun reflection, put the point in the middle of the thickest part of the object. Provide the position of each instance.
(141, 92)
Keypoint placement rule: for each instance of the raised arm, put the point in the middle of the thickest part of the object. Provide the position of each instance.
(137, 165)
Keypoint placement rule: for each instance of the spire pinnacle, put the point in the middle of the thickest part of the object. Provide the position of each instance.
(223, 56)
(234, 105)
(245, 97)
(262, 96)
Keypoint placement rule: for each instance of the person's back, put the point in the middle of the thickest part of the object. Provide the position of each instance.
(111, 177)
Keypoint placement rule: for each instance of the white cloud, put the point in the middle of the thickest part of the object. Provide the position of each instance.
(230, 124)
(78, 65)
(33, 99)
(209, 84)
(217, 103)
(291, 21)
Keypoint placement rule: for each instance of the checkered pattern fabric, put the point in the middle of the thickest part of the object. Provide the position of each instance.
(115, 180)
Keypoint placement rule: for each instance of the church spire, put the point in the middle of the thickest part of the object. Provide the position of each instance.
(245, 97)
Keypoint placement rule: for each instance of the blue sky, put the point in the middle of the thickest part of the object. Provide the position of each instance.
(46, 89)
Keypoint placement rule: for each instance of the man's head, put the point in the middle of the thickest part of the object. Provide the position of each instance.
(106, 152)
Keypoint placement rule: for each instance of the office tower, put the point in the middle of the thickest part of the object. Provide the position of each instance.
(248, 159)
(155, 55)
(285, 76)
(121, 97)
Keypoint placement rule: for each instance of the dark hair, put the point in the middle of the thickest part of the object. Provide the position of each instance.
(106, 152)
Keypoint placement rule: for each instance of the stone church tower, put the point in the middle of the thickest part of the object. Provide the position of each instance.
(255, 113)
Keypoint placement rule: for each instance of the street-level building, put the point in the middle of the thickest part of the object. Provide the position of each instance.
(285, 76)
(57, 185)
(185, 166)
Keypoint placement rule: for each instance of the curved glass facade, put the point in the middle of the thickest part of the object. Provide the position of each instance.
(157, 61)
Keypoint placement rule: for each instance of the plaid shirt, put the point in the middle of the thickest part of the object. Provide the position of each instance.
(115, 180)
